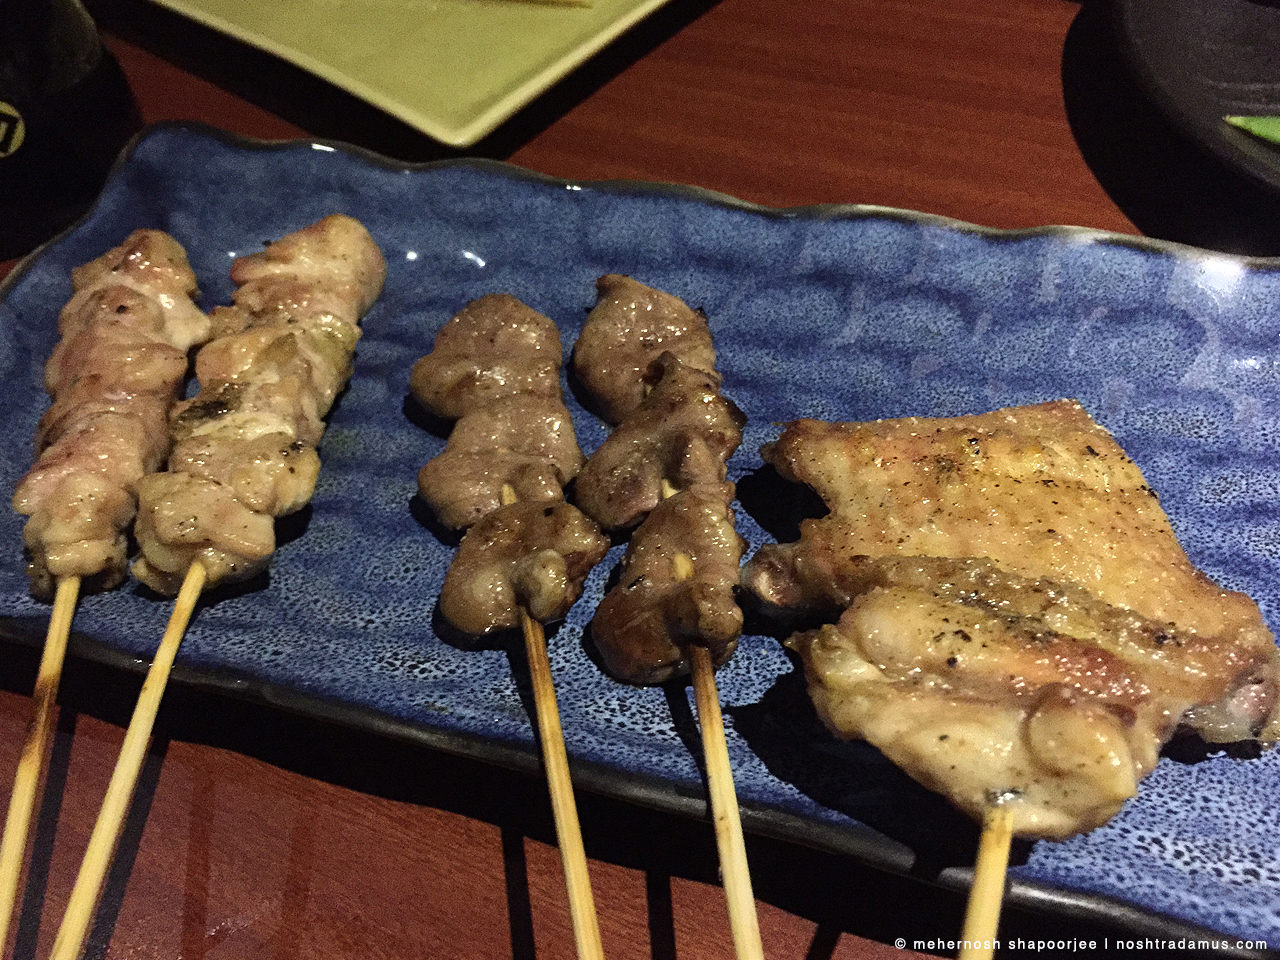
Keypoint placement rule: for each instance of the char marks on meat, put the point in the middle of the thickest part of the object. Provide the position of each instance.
(649, 362)
(114, 376)
(244, 447)
(495, 368)
(679, 436)
(1017, 621)
(629, 327)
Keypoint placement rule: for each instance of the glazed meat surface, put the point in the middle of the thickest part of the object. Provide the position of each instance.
(677, 588)
(680, 435)
(522, 441)
(494, 347)
(629, 327)
(1018, 622)
(114, 376)
(245, 444)
(531, 555)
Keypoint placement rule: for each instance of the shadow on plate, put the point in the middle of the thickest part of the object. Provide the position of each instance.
(1171, 187)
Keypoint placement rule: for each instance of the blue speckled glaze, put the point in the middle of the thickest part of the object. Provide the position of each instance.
(847, 314)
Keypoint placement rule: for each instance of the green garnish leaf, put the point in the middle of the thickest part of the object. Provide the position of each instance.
(1268, 128)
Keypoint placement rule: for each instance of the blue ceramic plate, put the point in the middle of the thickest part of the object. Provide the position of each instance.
(845, 313)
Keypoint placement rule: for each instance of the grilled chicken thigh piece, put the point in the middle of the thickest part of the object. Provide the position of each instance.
(272, 473)
(629, 327)
(525, 441)
(677, 588)
(1040, 491)
(680, 435)
(114, 375)
(531, 555)
(1019, 622)
(495, 347)
(989, 687)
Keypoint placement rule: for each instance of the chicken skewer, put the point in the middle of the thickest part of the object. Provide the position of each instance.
(114, 375)
(244, 453)
(648, 360)
(495, 367)
(1018, 627)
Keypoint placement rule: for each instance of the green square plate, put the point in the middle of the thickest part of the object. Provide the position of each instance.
(453, 69)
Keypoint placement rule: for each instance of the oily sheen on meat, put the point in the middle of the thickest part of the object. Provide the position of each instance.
(1015, 620)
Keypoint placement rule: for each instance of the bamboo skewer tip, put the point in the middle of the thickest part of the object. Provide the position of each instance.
(555, 759)
(26, 780)
(83, 902)
(982, 916)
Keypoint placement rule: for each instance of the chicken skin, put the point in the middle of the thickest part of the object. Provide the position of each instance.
(1006, 582)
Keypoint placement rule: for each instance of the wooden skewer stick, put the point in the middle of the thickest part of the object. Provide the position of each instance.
(982, 918)
(106, 832)
(17, 823)
(555, 759)
(736, 877)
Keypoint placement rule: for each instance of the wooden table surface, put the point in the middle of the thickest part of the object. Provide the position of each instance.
(257, 834)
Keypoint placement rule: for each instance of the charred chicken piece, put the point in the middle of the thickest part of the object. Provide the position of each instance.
(679, 436)
(495, 347)
(524, 441)
(245, 445)
(677, 588)
(531, 555)
(629, 327)
(114, 376)
(1017, 620)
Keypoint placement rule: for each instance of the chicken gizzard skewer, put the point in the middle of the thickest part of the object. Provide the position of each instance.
(495, 369)
(649, 362)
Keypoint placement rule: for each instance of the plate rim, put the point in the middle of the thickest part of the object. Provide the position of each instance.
(644, 791)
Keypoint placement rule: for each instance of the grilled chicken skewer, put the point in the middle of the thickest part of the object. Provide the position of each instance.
(1018, 627)
(114, 375)
(495, 368)
(648, 360)
(244, 453)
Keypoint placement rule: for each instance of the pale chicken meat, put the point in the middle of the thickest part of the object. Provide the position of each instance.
(522, 554)
(522, 441)
(114, 376)
(1017, 621)
(679, 436)
(245, 444)
(271, 473)
(150, 263)
(495, 367)
(630, 326)
(494, 347)
(677, 588)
